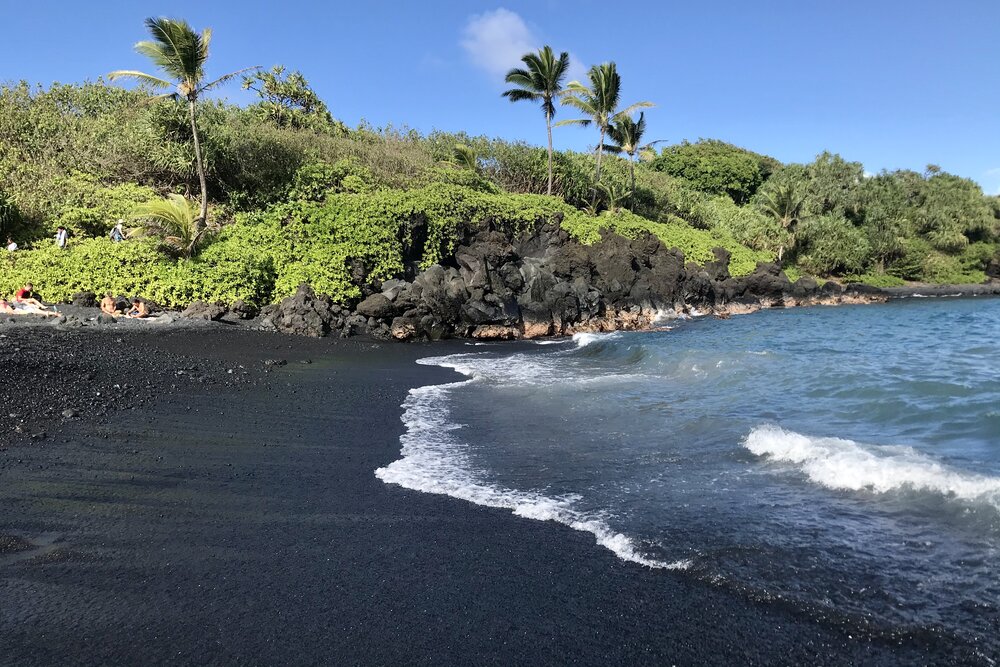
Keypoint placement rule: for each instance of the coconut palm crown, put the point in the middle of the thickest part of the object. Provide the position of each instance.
(599, 103)
(540, 80)
(626, 137)
(180, 53)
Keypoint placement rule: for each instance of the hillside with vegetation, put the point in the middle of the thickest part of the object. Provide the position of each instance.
(224, 202)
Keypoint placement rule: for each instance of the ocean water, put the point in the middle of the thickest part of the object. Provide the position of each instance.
(845, 461)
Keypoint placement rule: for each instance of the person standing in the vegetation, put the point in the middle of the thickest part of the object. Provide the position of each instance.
(11, 244)
(117, 235)
(62, 236)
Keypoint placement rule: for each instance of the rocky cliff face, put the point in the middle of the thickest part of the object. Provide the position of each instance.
(503, 285)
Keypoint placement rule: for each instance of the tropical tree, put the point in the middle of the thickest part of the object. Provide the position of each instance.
(785, 203)
(181, 53)
(464, 156)
(599, 102)
(540, 80)
(175, 220)
(287, 100)
(626, 137)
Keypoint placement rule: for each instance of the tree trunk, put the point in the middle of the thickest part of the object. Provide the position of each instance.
(203, 216)
(548, 128)
(631, 171)
(600, 151)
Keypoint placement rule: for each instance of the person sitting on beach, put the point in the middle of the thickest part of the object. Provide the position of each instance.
(109, 305)
(11, 244)
(29, 297)
(139, 310)
(24, 308)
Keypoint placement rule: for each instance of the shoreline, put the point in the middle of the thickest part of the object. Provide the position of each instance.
(635, 319)
(244, 522)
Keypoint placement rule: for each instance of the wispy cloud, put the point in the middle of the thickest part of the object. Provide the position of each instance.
(496, 40)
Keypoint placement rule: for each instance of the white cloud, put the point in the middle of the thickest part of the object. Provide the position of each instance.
(496, 40)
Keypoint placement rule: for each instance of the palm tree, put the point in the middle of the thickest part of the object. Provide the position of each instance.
(786, 204)
(465, 156)
(540, 80)
(626, 137)
(181, 53)
(175, 220)
(599, 101)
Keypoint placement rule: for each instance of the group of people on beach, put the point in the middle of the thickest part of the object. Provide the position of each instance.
(111, 306)
(27, 301)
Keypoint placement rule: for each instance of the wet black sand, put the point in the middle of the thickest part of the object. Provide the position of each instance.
(234, 518)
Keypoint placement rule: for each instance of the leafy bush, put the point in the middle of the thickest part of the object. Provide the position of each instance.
(91, 209)
(830, 244)
(696, 244)
(717, 168)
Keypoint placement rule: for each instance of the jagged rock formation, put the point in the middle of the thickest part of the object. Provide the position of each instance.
(503, 285)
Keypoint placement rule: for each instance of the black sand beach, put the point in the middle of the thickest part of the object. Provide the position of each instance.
(217, 517)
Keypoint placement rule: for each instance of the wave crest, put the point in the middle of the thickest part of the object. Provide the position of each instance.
(838, 463)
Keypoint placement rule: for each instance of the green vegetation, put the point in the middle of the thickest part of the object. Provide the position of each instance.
(181, 53)
(598, 101)
(288, 194)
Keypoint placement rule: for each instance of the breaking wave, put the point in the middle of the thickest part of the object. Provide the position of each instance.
(842, 464)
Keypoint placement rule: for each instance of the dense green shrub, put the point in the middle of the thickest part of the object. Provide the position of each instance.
(696, 244)
(717, 168)
(831, 244)
(90, 209)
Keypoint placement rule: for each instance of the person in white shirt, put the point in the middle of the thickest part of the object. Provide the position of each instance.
(11, 245)
(61, 236)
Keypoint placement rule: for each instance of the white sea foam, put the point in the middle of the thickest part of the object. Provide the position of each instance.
(585, 339)
(844, 464)
(435, 460)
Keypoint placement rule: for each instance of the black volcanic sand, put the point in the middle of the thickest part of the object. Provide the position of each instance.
(216, 517)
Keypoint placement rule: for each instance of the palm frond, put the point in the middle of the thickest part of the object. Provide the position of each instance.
(226, 77)
(519, 95)
(583, 122)
(630, 109)
(465, 156)
(173, 219)
(154, 81)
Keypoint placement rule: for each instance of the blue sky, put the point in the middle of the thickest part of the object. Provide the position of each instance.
(889, 83)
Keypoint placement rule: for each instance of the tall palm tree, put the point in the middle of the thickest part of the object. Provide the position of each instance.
(181, 53)
(626, 137)
(599, 102)
(540, 80)
(786, 204)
